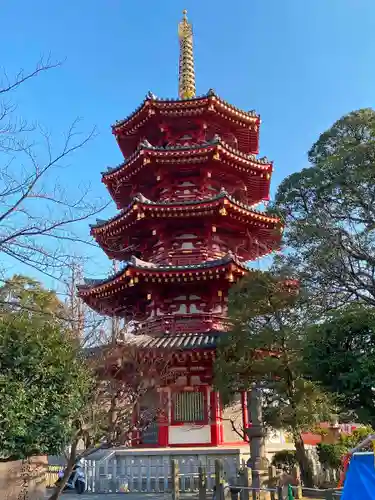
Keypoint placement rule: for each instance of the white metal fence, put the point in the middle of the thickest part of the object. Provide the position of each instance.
(152, 473)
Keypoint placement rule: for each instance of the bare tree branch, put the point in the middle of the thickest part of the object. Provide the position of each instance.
(38, 218)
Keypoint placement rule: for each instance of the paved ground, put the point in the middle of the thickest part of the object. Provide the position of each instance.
(119, 496)
(126, 496)
(114, 496)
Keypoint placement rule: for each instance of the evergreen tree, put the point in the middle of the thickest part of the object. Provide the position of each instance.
(43, 382)
(266, 346)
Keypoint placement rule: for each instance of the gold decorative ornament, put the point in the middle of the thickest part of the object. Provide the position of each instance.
(186, 78)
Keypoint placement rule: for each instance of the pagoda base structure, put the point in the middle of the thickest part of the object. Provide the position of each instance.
(191, 413)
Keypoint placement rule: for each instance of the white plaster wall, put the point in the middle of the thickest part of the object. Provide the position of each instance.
(233, 412)
(275, 437)
(189, 434)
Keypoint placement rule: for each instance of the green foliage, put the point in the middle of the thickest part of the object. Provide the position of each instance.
(340, 355)
(352, 440)
(21, 293)
(329, 212)
(43, 382)
(285, 460)
(330, 455)
(266, 347)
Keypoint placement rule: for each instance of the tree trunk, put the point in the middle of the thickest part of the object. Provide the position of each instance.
(72, 460)
(304, 462)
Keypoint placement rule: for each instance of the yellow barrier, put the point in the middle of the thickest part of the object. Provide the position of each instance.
(52, 475)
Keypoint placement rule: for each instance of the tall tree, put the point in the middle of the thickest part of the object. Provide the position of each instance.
(43, 383)
(89, 327)
(123, 402)
(265, 347)
(55, 393)
(37, 214)
(340, 355)
(23, 293)
(329, 209)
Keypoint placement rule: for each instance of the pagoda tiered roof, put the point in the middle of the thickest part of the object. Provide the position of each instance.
(138, 274)
(193, 162)
(113, 233)
(142, 204)
(146, 119)
(178, 348)
(257, 170)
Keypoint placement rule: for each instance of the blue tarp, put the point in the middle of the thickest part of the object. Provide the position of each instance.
(360, 478)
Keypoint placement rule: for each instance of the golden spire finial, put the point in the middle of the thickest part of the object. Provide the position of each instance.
(186, 77)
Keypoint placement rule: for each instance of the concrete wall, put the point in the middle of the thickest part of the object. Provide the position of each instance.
(21, 476)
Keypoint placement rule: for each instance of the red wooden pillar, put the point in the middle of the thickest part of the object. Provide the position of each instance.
(245, 414)
(163, 420)
(216, 437)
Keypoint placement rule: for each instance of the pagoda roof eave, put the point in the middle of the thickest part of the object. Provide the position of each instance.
(247, 160)
(140, 201)
(208, 340)
(151, 101)
(162, 345)
(137, 266)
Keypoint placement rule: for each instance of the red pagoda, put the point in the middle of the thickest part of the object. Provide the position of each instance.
(186, 230)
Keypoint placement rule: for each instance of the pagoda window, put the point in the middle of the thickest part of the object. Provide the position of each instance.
(194, 309)
(187, 245)
(182, 309)
(189, 407)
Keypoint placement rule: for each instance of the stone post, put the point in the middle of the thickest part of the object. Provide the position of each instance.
(296, 474)
(245, 494)
(202, 483)
(257, 436)
(175, 480)
(219, 479)
(272, 480)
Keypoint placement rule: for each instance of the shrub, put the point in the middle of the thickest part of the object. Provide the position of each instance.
(330, 455)
(285, 460)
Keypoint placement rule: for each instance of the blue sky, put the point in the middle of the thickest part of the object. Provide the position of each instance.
(300, 63)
